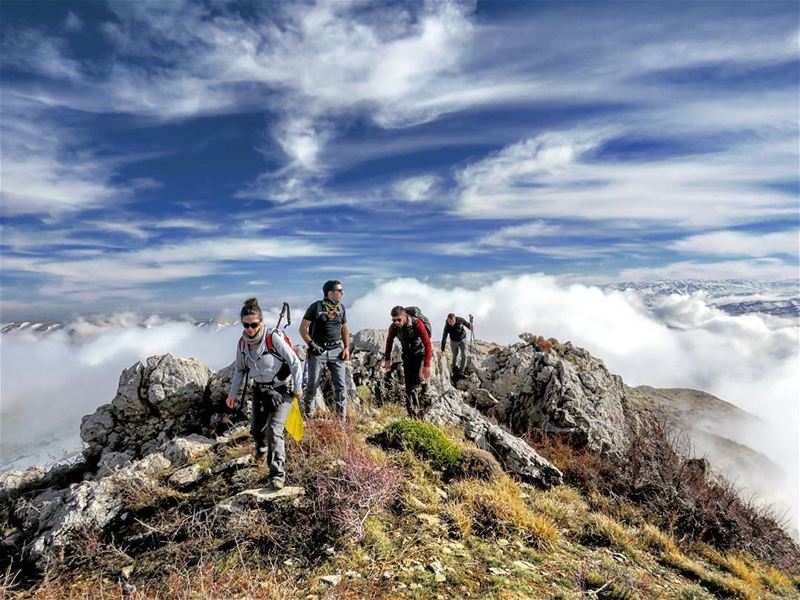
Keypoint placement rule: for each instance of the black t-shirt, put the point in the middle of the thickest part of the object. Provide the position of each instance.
(326, 322)
(457, 331)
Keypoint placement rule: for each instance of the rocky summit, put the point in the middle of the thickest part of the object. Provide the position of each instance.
(537, 475)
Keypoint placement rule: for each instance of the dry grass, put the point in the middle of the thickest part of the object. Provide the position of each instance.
(562, 504)
(656, 541)
(724, 586)
(491, 509)
(656, 479)
(601, 530)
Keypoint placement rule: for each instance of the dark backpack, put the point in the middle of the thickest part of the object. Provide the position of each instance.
(285, 369)
(414, 311)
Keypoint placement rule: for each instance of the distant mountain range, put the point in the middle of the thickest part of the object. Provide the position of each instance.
(735, 297)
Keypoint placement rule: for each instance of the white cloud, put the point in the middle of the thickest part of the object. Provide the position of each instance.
(762, 268)
(72, 22)
(102, 276)
(736, 243)
(415, 189)
(749, 360)
(554, 175)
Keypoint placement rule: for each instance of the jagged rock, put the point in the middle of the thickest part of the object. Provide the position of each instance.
(181, 450)
(448, 408)
(256, 497)
(89, 505)
(110, 461)
(331, 579)
(165, 395)
(514, 454)
(236, 463)
(188, 476)
(12, 480)
(555, 388)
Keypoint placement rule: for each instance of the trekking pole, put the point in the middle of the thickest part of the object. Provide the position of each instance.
(471, 336)
(285, 310)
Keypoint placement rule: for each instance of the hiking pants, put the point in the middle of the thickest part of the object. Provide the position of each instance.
(336, 365)
(267, 427)
(455, 347)
(415, 390)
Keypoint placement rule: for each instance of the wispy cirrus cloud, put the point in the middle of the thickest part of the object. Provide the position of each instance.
(737, 243)
(757, 268)
(107, 273)
(559, 174)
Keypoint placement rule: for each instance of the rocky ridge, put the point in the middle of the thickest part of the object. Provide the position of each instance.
(166, 414)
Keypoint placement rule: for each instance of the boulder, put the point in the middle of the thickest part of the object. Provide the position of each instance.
(165, 395)
(181, 450)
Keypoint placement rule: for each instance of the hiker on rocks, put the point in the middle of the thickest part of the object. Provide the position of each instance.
(324, 328)
(269, 360)
(415, 341)
(457, 328)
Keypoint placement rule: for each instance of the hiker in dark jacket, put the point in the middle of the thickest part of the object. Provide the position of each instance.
(324, 328)
(456, 328)
(417, 352)
(265, 355)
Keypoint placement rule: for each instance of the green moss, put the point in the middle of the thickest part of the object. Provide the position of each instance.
(426, 441)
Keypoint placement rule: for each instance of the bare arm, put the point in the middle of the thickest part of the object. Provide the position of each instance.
(304, 326)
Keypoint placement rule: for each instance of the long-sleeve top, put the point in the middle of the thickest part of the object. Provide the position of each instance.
(264, 366)
(457, 332)
(419, 326)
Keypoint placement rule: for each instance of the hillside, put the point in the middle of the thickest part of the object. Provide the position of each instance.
(168, 504)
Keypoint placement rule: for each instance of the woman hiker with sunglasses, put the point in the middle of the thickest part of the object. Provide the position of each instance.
(270, 361)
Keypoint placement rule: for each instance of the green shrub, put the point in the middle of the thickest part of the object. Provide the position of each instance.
(424, 440)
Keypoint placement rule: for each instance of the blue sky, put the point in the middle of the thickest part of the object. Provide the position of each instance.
(180, 156)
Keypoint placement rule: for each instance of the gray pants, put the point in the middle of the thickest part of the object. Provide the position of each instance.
(338, 371)
(267, 428)
(455, 347)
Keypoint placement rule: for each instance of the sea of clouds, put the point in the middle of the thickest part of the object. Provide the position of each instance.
(49, 381)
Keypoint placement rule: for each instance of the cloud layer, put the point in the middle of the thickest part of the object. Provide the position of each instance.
(681, 341)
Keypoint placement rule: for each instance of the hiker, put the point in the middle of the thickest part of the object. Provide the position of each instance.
(324, 328)
(415, 340)
(270, 360)
(456, 328)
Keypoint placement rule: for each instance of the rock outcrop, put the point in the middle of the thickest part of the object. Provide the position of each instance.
(156, 400)
(446, 406)
(539, 384)
(151, 430)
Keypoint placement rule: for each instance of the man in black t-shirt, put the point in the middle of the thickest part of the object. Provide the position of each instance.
(456, 328)
(324, 328)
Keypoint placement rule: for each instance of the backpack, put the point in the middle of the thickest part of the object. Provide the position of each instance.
(414, 311)
(285, 369)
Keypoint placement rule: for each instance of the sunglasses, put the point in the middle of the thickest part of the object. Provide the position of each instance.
(251, 325)
(339, 290)
(397, 320)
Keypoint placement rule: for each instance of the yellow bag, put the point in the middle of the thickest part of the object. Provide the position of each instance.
(294, 422)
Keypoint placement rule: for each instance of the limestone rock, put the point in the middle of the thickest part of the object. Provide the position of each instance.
(164, 396)
(188, 476)
(12, 480)
(256, 497)
(183, 449)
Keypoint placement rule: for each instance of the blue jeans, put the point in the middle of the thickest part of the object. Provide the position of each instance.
(335, 363)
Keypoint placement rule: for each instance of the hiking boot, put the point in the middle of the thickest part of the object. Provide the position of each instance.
(277, 483)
